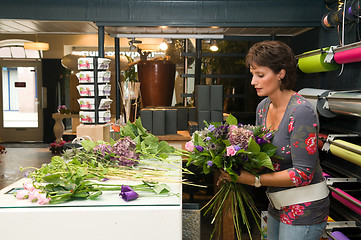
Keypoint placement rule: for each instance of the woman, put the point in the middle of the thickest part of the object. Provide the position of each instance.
(297, 191)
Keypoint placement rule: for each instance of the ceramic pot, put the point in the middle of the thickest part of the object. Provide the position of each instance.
(157, 82)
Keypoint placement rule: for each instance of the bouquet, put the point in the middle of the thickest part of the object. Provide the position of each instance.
(232, 147)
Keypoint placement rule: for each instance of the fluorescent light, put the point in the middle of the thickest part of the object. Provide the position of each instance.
(36, 46)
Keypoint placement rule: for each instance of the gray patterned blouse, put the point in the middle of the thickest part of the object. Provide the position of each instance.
(296, 139)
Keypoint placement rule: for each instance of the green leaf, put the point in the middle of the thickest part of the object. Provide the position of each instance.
(231, 120)
(218, 161)
(265, 160)
(127, 131)
(234, 176)
(54, 178)
(94, 195)
(164, 147)
(161, 188)
(88, 145)
(253, 146)
(206, 168)
(269, 149)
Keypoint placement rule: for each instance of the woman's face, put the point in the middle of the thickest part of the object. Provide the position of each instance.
(264, 80)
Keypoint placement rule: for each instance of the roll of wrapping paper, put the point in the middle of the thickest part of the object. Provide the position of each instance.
(338, 236)
(316, 63)
(321, 140)
(346, 202)
(348, 56)
(345, 150)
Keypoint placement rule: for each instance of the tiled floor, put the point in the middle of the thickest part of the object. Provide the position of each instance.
(34, 155)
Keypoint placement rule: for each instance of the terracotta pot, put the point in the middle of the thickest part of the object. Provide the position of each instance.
(156, 82)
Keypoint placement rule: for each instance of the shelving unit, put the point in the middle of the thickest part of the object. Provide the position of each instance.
(98, 93)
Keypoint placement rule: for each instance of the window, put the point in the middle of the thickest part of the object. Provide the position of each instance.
(14, 48)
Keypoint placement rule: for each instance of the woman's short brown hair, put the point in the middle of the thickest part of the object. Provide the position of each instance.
(276, 55)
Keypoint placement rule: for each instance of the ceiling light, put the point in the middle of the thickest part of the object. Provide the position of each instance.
(213, 46)
(36, 46)
(163, 46)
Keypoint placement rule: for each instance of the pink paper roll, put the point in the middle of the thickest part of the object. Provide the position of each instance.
(348, 56)
(346, 202)
(338, 236)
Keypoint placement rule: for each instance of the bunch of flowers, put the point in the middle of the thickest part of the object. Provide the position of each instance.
(33, 194)
(232, 147)
(121, 152)
(57, 148)
(63, 109)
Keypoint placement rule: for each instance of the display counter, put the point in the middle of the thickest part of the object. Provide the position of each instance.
(107, 217)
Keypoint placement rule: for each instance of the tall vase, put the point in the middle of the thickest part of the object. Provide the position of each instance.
(157, 82)
(130, 92)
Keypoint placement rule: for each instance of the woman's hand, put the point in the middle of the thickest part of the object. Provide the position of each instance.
(244, 178)
(224, 177)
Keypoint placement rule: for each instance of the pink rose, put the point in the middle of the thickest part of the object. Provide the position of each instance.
(232, 127)
(28, 186)
(22, 194)
(42, 199)
(189, 146)
(231, 151)
(34, 195)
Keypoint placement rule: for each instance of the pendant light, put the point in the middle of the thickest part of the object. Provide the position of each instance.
(36, 45)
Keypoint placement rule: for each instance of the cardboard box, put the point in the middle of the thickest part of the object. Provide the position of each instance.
(95, 132)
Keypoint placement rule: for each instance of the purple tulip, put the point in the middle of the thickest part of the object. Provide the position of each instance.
(126, 188)
(268, 136)
(260, 141)
(129, 195)
(200, 148)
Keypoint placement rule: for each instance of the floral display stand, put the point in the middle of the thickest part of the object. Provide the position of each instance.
(108, 217)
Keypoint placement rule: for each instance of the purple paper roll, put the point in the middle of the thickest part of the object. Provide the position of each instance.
(338, 236)
(346, 202)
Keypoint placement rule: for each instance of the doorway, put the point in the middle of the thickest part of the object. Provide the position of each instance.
(21, 115)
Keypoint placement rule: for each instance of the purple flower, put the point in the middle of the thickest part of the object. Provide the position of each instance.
(128, 196)
(208, 138)
(210, 163)
(236, 148)
(260, 141)
(211, 128)
(127, 193)
(126, 188)
(268, 136)
(104, 179)
(199, 148)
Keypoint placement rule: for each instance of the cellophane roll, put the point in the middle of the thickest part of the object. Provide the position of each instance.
(347, 203)
(338, 236)
(348, 56)
(344, 153)
(316, 63)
